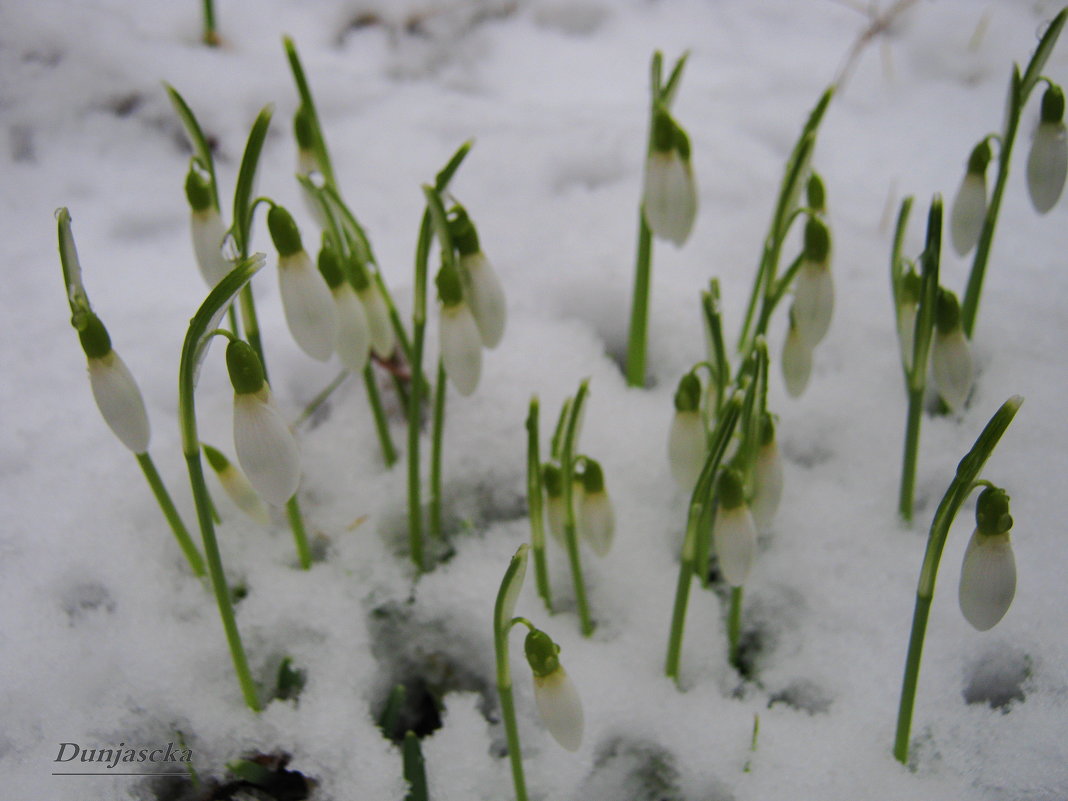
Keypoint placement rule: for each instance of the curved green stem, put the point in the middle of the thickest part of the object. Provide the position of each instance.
(385, 439)
(734, 627)
(300, 537)
(166, 505)
(963, 483)
(436, 442)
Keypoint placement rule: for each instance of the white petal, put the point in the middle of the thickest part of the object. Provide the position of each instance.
(560, 708)
(669, 198)
(208, 235)
(120, 401)
(951, 366)
(382, 337)
(265, 447)
(734, 540)
(796, 363)
(461, 347)
(767, 486)
(485, 296)
(308, 305)
(987, 580)
(813, 302)
(686, 448)
(353, 335)
(597, 521)
(240, 491)
(555, 514)
(906, 330)
(1047, 165)
(969, 210)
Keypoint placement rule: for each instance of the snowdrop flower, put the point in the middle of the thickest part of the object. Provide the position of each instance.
(596, 519)
(206, 227)
(481, 286)
(309, 308)
(669, 197)
(951, 357)
(114, 388)
(265, 446)
(969, 206)
(558, 702)
(814, 286)
(461, 343)
(767, 476)
(353, 344)
(1047, 163)
(988, 574)
(236, 485)
(796, 361)
(383, 339)
(734, 536)
(687, 447)
(906, 316)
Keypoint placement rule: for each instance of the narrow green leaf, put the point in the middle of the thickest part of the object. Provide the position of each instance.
(201, 149)
(1042, 53)
(246, 178)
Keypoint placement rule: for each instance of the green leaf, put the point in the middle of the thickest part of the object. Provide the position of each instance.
(414, 768)
(304, 90)
(196, 136)
(1042, 53)
(80, 309)
(246, 178)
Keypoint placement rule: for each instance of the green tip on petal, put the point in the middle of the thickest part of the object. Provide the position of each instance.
(979, 158)
(767, 429)
(593, 477)
(94, 338)
(541, 653)
(731, 489)
(688, 395)
(198, 188)
(947, 312)
(450, 290)
(1053, 104)
(246, 372)
(215, 458)
(992, 511)
(303, 130)
(330, 267)
(663, 131)
(463, 232)
(553, 480)
(816, 194)
(284, 231)
(817, 240)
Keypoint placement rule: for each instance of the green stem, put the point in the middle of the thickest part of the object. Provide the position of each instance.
(389, 452)
(210, 37)
(300, 537)
(511, 731)
(908, 464)
(436, 442)
(535, 504)
(734, 626)
(639, 310)
(567, 464)
(963, 483)
(166, 505)
(414, 768)
(415, 402)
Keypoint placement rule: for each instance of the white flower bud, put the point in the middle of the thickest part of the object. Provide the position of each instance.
(734, 539)
(597, 521)
(1047, 165)
(353, 334)
(767, 485)
(308, 305)
(485, 296)
(237, 487)
(265, 446)
(796, 362)
(987, 579)
(687, 448)
(813, 302)
(119, 400)
(555, 514)
(560, 708)
(382, 336)
(461, 347)
(969, 212)
(669, 197)
(951, 367)
(906, 330)
(208, 233)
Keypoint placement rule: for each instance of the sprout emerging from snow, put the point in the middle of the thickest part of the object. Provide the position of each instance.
(265, 446)
(1047, 162)
(988, 574)
(669, 197)
(114, 389)
(558, 702)
(969, 205)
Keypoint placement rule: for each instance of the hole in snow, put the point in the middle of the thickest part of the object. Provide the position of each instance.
(82, 599)
(803, 694)
(997, 678)
(638, 771)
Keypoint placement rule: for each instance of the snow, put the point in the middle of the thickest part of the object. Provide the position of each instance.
(106, 637)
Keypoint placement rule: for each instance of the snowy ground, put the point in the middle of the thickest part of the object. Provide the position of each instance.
(107, 638)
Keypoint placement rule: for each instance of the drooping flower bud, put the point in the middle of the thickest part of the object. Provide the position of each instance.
(906, 316)
(383, 340)
(482, 288)
(969, 205)
(687, 443)
(308, 305)
(596, 519)
(206, 227)
(669, 196)
(353, 344)
(767, 476)
(814, 286)
(734, 536)
(461, 343)
(796, 361)
(237, 486)
(114, 389)
(1047, 163)
(558, 702)
(951, 357)
(988, 573)
(265, 446)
